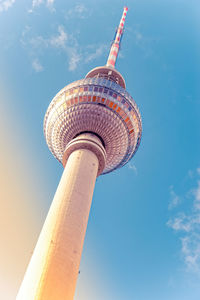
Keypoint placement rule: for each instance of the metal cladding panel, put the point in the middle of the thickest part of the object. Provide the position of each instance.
(100, 106)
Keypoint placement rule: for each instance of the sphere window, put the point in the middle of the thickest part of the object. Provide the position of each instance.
(110, 93)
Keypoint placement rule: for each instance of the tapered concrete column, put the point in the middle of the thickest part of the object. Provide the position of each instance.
(54, 266)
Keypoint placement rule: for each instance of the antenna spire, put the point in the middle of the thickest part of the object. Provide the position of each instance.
(116, 43)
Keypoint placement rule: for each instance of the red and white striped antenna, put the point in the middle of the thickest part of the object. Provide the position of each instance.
(116, 44)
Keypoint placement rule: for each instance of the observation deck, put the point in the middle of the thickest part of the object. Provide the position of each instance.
(108, 73)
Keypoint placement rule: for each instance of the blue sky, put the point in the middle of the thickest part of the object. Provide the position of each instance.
(143, 236)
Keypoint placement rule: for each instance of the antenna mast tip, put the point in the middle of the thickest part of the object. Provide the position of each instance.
(117, 40)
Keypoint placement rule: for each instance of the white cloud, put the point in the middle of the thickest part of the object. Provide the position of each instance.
(138, 37)
(37, 43)
(120, 54)
(144, 42)
(50, 5)
(191, 252)
(55, 41)
(197, 196)
(37, 3)
(50, 2)
(66, 43)
(174, 198)
(59, 40)
(187, 225)
(74, 59)
(80, 8)
(180, 223)
(99, 50)
(6, 4)
(132, 167)
(37, 65)
(79, 11)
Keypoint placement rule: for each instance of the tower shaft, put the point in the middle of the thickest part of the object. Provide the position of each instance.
(54, 267)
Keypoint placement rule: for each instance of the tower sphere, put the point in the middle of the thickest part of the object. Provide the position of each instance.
(98, 104)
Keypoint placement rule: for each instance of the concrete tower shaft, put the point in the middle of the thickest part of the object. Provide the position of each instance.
(54, 266)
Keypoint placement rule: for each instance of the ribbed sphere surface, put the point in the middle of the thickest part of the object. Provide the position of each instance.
(96, 105)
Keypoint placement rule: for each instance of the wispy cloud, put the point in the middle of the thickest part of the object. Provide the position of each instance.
(187, 225)
(59, 41)
(182, 223)
(37, 3)
(37, 65)
(142, 41)
(66, 43)
(97, 51)
(132, 167)
(74, 59)
(37, 43)
(62, 41)
(78, 11)
(80, 8)
(139, 38)
(6, 4)
(175, 200)
(191, 251)
(50, 4)
(197, 196)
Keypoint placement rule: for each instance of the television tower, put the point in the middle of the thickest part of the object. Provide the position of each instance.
(92, 126)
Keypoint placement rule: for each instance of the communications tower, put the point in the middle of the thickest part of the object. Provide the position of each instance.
(92, 126)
